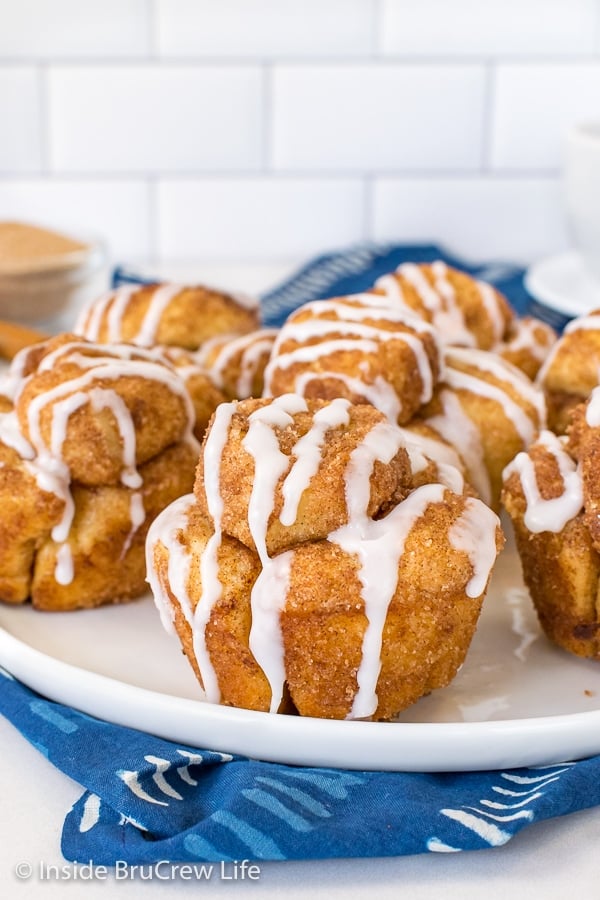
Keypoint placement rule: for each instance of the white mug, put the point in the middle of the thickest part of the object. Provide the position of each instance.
(582, 191)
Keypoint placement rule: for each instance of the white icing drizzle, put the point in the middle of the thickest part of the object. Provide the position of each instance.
(209, 567)
(262, 444)
(526, 428)
(86, 355)
(355, 308)
(503, 371)
(554, 513)
(377, 545)
(63, 572)
(12, 378)
(422, 449)
(531, 335)
(137, 516)
(311, 352)
(392, 289)
(455, 426)
(492, 308)
(101, 398)
(11, 435)
(592, 412)
(90, 320)
(162, 296)
(356, 337)
(582, 323)
(269, 595)
(111, 369)
(380, 393)
(440, 301)
(474, 533)
(52, 459)
(118, 307)
(319, 327)
(249, 364)
(427, 294)
(269, 592)
(450, 319)
(587, 323)
(307, 453)
(45, 459)
(112, 306)
(165, 529)
(364, 333)
(251, 347)
(436, 450)
(53, 462)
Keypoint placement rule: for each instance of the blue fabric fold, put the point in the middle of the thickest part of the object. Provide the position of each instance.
(147, 799)
(355, 269)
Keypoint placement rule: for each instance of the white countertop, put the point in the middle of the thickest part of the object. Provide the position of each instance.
(549, 860)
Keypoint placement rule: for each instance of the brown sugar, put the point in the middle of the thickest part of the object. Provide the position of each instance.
(26, 248)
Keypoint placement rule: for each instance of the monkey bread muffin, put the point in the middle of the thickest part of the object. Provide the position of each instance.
(323, 565)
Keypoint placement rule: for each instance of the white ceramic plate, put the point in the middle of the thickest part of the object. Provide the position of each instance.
(516, 701)
(561, 283)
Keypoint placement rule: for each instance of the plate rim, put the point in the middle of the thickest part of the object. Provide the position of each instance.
(536, 283)
(495, 744)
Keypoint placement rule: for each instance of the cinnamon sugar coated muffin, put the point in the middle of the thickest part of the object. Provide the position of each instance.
(315, 569)
(95, 441)
(174, 314)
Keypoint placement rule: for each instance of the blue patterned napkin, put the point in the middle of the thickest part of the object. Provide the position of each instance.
(148, 800)
(355, 269)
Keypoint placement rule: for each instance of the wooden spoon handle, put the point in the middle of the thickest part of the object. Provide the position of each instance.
(14, 337)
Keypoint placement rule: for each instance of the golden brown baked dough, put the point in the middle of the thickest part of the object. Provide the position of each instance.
(307, 573)
(571, 370)
(236, 363)
(553, 507)
(28, 514)
(98, 442)
(200, 385)
(527, 345)
(106, 544)
(488, 411)
(107, 399)
(358, 347)
(465, 312)
(171, 314)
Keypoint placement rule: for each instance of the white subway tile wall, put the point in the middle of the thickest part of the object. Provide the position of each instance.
(154, 119)
(20, 115)
(269, 130)
(258, 218)
(377, 117)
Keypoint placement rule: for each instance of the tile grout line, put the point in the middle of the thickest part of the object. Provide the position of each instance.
(488, 117)
(152, 31)
(596, 50)
(44, 119)
(377, 59)
(376, 30)
(152, 198)
(318, 175)
(368, 189)
(268, 119)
